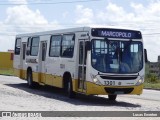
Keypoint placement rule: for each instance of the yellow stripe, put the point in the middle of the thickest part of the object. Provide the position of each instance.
(20, 73)
(52, 80)
(36, 77)
(24, 74)
(57, 81)
(75, 85)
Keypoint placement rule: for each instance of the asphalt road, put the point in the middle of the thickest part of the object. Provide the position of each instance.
(15, 95)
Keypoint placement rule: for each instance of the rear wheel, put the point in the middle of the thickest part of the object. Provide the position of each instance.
(112, 97)
(70, 92)
(30, 82)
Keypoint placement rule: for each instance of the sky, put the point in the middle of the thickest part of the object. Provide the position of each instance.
(26, 16)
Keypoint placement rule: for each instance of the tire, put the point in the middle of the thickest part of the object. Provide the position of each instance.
(30, 82)
(70, 92)
(112, 97)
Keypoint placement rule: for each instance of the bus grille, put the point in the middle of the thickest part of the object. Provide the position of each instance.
(119, 90)
(119, 77)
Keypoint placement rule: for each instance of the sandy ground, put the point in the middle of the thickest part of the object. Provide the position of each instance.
(16, 96)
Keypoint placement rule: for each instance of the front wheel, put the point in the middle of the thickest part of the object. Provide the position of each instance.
(112, 97)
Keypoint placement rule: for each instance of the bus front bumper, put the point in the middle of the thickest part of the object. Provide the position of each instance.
(94, 89)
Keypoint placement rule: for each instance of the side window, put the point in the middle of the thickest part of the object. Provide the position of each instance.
(17, 46)
(34, 46)
(68, 45)
(55, 46)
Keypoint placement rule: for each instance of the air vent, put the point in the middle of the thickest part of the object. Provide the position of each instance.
(119, 77)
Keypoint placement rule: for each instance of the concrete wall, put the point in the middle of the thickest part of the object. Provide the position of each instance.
(6, 60)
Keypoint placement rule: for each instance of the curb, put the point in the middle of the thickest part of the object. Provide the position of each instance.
(152, 89)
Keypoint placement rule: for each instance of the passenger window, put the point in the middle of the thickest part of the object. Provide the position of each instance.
(17, 46)
(34, 46)
(55, 46)
(68, 45)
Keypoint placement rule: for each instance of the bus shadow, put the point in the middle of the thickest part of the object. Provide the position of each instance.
(58, 94)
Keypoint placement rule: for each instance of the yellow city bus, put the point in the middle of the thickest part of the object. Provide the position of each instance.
(87, 60)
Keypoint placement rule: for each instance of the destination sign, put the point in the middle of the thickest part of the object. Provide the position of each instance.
(116, 33)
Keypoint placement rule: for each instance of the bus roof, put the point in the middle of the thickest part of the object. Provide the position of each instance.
(70, 30)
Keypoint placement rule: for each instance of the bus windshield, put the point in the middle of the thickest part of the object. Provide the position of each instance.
(111, 56)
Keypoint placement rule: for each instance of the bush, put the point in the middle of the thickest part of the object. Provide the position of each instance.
(151, 78)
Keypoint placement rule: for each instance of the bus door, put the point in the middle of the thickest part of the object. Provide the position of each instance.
(43, 50)
(22, 61)
(82, 67)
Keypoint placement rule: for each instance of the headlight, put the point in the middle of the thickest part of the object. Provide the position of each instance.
(140, 81)
(95, 79)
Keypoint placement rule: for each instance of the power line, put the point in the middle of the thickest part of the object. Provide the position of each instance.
(39, 3)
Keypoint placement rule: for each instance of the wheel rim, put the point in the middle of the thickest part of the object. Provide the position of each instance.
(69, 87)
(29, 79)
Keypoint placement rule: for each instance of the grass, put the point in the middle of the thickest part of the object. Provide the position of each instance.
(152, 85)
(7, 72)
